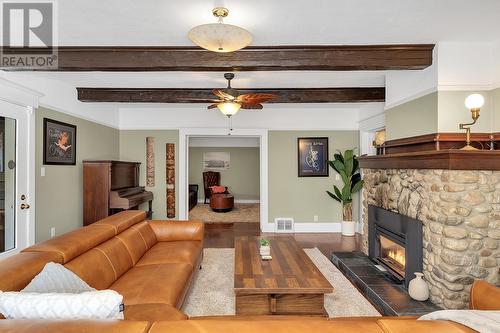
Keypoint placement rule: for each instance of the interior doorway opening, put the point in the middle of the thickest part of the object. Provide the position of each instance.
(224, 179)
(239, 163)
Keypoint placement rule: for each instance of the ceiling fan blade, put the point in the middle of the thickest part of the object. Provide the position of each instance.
(255, 98)
(200, 100)
(212, 106)
(252, 106)
(223, 95)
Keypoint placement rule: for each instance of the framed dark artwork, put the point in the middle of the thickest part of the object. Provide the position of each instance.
(59, 143)
(313, 157)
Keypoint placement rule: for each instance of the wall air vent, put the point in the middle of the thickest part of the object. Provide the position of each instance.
(284, 224)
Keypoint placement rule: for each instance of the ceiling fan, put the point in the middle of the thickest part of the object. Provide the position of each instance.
(230, 101)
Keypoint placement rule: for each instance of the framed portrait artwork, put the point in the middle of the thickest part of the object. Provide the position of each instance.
(59, 143)
(313, 157)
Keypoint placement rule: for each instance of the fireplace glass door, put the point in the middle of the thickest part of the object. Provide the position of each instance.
(392, 255)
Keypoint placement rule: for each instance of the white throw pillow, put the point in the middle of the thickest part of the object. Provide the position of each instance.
(55, 278)
(104, 304)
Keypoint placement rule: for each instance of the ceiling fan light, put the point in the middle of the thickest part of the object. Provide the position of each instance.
(229, 108)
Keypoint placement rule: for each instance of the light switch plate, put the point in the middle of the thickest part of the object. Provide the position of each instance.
(42, 172)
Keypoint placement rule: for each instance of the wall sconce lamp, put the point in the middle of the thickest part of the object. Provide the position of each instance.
(474, 103)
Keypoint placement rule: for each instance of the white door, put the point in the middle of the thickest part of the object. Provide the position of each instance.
(15, 212)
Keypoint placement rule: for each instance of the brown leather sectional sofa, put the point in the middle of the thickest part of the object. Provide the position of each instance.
(152, 264)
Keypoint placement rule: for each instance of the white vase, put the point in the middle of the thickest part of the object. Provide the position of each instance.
(348, 228)
(418, 288)
(265, 250)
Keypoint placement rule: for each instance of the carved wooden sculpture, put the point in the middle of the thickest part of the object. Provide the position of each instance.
(150, 162)
(170, 180)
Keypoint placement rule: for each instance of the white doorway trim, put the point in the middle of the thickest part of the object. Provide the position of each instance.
(24, 101)
(367, 129)
(186, 133)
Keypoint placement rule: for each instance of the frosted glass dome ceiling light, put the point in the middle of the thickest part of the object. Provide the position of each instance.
(220, 37)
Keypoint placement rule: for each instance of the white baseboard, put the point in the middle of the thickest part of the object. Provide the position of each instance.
(238, 201)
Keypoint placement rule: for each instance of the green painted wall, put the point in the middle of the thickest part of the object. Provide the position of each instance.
(243, 176)
(133, 148)
(496, 110)
(452, 111)
(416, 117)
(59, 194)
(302, 198)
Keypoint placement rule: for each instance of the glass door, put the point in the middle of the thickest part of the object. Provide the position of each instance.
(14, 198)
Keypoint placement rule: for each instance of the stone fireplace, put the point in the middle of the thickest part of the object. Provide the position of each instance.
(460, 215)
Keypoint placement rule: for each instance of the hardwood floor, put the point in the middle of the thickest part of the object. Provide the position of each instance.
(218, 235)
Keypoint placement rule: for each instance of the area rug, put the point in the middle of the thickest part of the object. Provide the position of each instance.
(212, 292)
(240, 213)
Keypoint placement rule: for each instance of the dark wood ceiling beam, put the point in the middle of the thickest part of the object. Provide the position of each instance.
(256, 58)
(189, 95)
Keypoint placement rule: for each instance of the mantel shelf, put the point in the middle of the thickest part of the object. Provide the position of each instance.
(449, 159)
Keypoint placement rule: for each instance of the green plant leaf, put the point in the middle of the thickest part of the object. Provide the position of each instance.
(332, 165)
(344, 176)
(334, 196)
(354, 179)
(348, 161)
(346, 193)
(339, 166)
(337, 191)
(355, 165)
(339, 157)
(357, 187)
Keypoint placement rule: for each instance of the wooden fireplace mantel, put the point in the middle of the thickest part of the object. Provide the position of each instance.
(449, 159)
(437, 151)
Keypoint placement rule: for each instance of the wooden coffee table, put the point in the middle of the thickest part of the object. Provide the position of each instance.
(289, 284)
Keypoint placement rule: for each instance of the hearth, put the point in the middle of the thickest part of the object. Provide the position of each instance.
(395, 242)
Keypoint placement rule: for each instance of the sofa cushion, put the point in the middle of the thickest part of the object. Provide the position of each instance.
(172, 253)
(164, 283)
(55, 278)
(74, 243)
(18, 270)
(94, 268)
(118, 254)
(265, 326)
(484, 296)
(147, 233)
(390, 325)
(123, 220)
(170, 231)
(73, 326)
(153, 312)
(138, 239)
(102, 304)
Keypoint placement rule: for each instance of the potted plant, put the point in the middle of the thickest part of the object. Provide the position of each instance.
(348, 168)
(265, 247)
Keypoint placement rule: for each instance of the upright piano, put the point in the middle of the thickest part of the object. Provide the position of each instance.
(110, 187)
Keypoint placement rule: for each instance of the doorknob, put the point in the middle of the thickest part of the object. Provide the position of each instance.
(25, 206)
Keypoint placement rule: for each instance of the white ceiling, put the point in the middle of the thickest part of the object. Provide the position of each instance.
(275, 22)
(283, 79)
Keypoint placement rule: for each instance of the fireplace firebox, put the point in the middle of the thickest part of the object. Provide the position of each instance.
(395, 242)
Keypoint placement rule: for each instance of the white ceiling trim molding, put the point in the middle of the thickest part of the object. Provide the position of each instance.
(62, 97)
(224, 141)
(478, 87)
(273, 117)
(373, 123)
(411, 98)
(17, 94)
